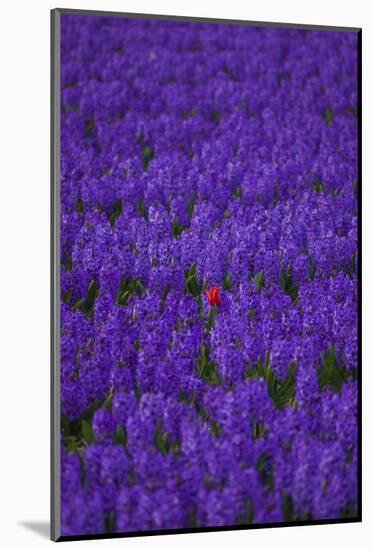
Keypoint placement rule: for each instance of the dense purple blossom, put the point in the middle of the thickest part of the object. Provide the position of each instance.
(198, 156)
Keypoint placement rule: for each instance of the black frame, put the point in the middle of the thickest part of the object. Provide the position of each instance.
(55, 273)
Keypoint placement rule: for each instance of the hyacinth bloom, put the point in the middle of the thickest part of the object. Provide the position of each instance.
(194, 153)
(213, 296)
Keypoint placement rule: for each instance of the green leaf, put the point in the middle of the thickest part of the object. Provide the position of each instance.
(192, 285)
(215, 116)
(109, 523)
(89, 127)
(123, 298)
(281, 393)
(188, 113)
(330, 373)
(312, 269)
(260, 369)
(191, 205)
(227, 284)
(349, 512)
(79, 205)
(293, 293)
(210, 319)
(91, 296)
(71, 442)
(176, 229)
(287, 508)
(67, 261)
(264, 469)
(192, 519)
(287, 284)
(284, 278)
(237, 193)
(258, 430)
(259, 281)
(78, 305)
(318, 186)
(215, 429)
(142, 210)
(108, 402)
(271, 381)
(87, 432)
(116, 212)
(86, 305)
(207, 370)
(249, 512)
(73, 428)
(147, 154)
(161, 440)
(128, 287)
(328, 116)
(67, 296)
(119, 437)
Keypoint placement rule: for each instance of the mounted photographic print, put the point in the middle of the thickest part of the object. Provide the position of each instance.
(206, 274)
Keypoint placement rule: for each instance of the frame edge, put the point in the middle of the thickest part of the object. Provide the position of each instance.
(54, 274)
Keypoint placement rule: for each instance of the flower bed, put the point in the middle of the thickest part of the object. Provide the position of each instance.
(208, 275)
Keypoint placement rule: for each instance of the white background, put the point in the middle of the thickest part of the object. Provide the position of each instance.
(24, 270)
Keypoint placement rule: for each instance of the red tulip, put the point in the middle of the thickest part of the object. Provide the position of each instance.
(213, 296)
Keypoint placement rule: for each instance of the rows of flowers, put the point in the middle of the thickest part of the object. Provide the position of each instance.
(208, 275)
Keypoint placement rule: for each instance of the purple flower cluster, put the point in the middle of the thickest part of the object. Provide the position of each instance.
(199, 155)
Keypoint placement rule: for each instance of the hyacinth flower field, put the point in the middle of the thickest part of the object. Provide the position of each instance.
(209, 342)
